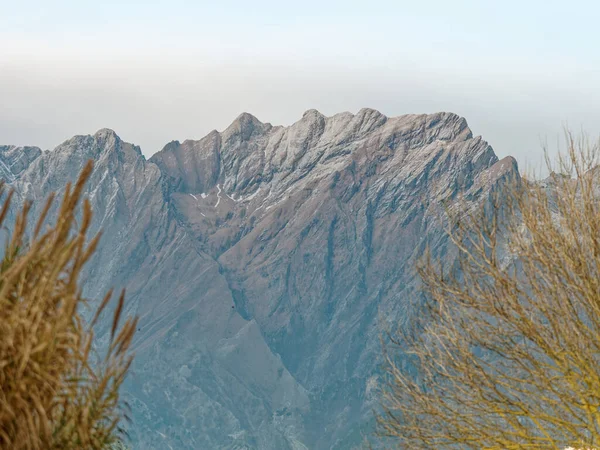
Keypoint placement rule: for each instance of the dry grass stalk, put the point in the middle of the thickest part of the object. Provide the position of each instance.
(507, 355)
(52, 396)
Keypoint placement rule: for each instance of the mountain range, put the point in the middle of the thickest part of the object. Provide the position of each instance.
(264, 263)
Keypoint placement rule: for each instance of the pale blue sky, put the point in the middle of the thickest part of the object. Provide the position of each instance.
(157, 70)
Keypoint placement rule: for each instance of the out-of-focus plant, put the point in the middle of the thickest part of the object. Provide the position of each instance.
(506, 354)
(55, 392)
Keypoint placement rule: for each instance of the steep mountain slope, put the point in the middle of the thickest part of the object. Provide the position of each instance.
(263, 262)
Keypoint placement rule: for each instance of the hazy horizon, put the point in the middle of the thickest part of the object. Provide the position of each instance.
(157, 71)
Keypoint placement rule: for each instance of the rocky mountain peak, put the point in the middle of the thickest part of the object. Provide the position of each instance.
(454, 126)
(261, 261)
(107, 134)
(370, 118)
(244, 127)
(104, 144)
(312, 114)
(192, 166)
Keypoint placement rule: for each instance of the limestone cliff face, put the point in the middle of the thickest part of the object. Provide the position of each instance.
(14, 160)
(263, 262)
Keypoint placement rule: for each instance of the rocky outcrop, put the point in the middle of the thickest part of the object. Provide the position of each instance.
(263, 263)
(14, 160)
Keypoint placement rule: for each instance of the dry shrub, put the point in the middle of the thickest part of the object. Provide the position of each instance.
(55, 392)
(507, 354)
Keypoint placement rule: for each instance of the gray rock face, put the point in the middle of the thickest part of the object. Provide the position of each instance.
(14, 160)
(264, 262)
